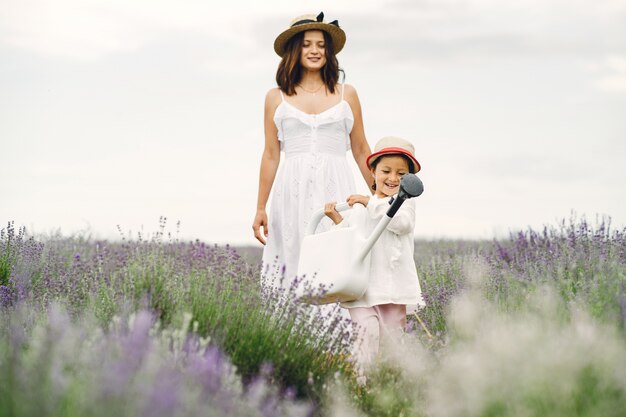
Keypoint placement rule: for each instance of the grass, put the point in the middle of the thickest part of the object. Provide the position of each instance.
(534, 324)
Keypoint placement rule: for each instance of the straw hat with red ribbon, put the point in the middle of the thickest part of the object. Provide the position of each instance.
(392, 145)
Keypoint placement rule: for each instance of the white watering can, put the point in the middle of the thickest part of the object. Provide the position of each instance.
(335, 265)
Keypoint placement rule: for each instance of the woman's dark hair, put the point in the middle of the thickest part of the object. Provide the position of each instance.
(406, 158)
(289, 73)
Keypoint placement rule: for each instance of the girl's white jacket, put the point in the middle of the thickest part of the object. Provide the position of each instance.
(393, 277)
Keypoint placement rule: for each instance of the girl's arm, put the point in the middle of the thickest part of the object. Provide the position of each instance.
(358, 143)
(404, 220)
(331, 212)
(269, 164)
(358, 198)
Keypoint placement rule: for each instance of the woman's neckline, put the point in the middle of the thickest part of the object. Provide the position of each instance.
(314, 114)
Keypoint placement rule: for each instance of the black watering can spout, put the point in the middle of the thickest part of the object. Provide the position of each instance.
(410, 186)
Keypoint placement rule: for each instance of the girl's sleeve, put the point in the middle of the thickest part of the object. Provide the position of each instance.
(404, 220)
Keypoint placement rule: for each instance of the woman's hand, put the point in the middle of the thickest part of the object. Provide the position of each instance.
(358, 198)
(331, 212)
(260, 221)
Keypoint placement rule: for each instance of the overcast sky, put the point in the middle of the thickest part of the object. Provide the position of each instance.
(119, 112)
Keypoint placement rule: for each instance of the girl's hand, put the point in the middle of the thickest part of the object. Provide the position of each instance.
(332, 213)
(260, 221)
(357, 198)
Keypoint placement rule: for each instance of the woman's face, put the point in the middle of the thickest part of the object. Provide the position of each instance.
(313, 56)
(388, 173)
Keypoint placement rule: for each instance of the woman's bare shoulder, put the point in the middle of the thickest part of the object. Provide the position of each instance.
(272, 98)
(273, 94)
(349, 92)
(350, 95)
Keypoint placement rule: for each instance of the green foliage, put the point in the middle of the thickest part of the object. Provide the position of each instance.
(7, 253)
(499, 348)
(389, 393)
(286, 335)
(5, 269)
(547, 358)
(60, 367)
(220, 290)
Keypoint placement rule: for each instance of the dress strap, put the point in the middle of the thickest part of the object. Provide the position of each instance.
(282, 97)
(343, 87)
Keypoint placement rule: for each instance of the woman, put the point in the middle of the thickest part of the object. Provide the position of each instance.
(314, 120)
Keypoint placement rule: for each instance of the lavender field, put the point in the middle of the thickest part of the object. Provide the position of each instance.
(531, 325)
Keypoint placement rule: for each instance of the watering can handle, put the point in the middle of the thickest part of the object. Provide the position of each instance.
(318, 215)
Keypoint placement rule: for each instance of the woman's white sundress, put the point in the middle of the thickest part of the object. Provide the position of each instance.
(313, 172)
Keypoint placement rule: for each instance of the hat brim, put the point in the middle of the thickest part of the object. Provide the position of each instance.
(393, 151)
(336, 33)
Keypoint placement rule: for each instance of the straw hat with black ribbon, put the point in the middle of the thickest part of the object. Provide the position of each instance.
(311, 22)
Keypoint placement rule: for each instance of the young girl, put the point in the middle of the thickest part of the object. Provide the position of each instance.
(381, 312)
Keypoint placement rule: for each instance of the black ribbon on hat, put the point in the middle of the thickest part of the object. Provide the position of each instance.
(320, 19)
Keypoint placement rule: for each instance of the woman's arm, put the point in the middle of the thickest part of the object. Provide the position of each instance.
(269, 164)
(358, 143)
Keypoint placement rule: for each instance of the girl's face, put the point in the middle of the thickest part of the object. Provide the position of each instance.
(313, 56)
(387, 174)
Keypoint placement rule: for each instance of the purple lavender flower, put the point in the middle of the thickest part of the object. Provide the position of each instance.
(6, 296)
(163, 400)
